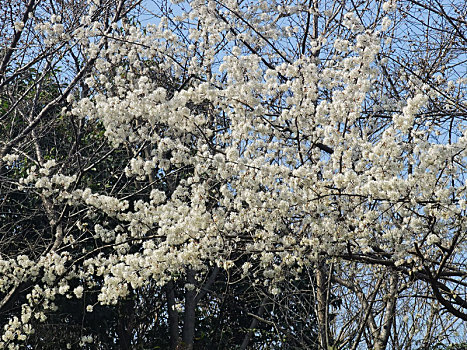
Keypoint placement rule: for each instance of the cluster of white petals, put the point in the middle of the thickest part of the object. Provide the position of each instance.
(279, 162)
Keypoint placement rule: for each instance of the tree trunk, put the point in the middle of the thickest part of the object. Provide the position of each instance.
(124, 325)
(322, 293)
(390, 310)
(173, 316)
(253, 325)
(189, 319)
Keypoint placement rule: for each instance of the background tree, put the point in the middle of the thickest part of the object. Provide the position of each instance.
(238, 174)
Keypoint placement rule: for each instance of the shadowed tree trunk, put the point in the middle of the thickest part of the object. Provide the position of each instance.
(189, 319)
(173, 315)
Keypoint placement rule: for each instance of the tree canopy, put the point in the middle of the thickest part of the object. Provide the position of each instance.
(227, 174)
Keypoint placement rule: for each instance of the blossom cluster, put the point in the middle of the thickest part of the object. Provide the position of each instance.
(232, 154)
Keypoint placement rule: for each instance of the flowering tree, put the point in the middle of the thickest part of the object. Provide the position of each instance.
(300, 163)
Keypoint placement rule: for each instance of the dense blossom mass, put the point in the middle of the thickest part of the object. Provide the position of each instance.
(262, 139)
